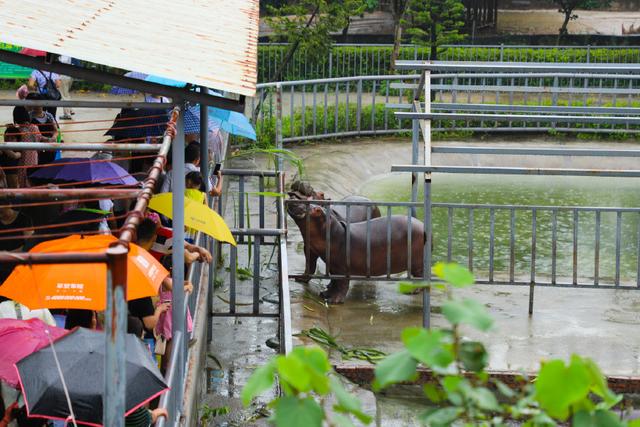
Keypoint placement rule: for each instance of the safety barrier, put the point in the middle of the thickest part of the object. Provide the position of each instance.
(269, 233)
(350, 60)
(567, 98)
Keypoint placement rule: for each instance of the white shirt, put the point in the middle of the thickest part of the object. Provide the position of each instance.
(9, 310)
(167, 184)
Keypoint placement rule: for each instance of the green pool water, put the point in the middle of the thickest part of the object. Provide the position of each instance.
(528, 190)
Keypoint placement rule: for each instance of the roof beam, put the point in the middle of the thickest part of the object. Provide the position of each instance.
(175, 93)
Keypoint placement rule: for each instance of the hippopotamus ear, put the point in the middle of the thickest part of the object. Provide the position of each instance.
(320, 195)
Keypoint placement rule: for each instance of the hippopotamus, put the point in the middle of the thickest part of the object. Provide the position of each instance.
(357, 213)
(357, 264)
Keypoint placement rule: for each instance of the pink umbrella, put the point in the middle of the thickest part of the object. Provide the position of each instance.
(20, 338)
(32, 52)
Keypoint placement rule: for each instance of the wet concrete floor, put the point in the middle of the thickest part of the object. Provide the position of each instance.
(593, 322)
(597, 323)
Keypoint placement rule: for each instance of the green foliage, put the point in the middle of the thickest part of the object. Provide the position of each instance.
(444, 17)
(304, 375)
(350, 61)
(460, 392)
(207, 413)
(309, 23)
(322, 337)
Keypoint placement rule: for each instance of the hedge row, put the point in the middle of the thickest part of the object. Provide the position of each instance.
(347, 61)
(381, 118)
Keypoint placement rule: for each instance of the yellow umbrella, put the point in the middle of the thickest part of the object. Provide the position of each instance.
(196, 215)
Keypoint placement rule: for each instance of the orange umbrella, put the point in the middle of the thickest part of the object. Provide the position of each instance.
(82, 286)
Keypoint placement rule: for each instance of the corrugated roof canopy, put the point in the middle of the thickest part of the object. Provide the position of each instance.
(212, 43)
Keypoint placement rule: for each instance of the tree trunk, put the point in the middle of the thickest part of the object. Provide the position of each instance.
(399, 8)
(563, 30)
(345, 31)
(397, 38)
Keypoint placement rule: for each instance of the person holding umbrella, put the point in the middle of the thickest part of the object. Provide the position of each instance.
(192, 164)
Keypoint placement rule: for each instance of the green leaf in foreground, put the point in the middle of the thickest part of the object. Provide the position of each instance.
(469, 312)
(473, 355)
(559, 386)
(396, 368)
(260, 381)
(291, 411)
(455, 274)
(409, 287)
(347, 403)
(293, 370)
(440, 417)
(428, 346)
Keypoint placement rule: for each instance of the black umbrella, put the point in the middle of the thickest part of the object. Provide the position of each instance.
(139, 123)
(81, 355)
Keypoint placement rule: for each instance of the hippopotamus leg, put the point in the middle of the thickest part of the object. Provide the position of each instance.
(311, 262)
(336, 291)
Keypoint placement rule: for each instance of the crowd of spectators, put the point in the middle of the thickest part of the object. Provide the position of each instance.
(149, 318)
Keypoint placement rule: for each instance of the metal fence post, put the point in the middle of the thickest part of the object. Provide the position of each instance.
(115, 335)
(177, 257)
(330, 63)
(204, 145)
(279, 124)
(426, 294)
(358, 105)
(415, 136)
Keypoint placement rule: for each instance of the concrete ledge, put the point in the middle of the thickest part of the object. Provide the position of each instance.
(363, 375)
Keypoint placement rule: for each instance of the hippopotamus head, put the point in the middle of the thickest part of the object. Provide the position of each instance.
(299, 211)
(303, 191)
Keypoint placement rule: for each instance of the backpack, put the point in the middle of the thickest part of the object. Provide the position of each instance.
(50, 91)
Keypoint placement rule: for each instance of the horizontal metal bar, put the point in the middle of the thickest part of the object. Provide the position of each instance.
(404, 86)
(532, 108)
(516, 171)
(470, 46)
(466, 205)
(536, 89)
(52, 258)
(66, 193)
(529, 207)
(535, 129)
(350, 203)
(185, 94)
(83, 104)
(248, 172)
(258, 232)
(536, 151)
(435, 279)
(521, 75)
(337, 80)
(271, 315)
(72, 146)
(517, 66)
(519, 117)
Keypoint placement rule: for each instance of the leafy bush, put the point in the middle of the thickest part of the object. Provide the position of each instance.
(460, 392)
(380, 118)
(347, 61)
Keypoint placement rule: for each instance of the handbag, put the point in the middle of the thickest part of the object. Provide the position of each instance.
(50, 91)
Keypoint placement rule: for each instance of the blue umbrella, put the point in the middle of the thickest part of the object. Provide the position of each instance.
(164, 81)
(229, 121)
(117, 90)
(84, 169)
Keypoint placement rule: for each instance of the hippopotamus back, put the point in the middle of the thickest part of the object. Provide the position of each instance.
(357, 213)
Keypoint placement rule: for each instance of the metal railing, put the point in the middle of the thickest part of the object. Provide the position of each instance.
(349, 60)
(605, 99)
(251, 240)
(502, 245)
